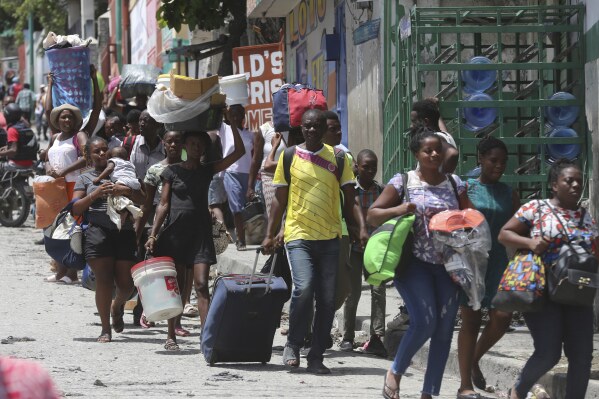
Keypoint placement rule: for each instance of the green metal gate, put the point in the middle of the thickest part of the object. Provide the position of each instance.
(536, 51)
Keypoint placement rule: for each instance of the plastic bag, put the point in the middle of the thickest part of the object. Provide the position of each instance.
(138, 80)
(464, 238)
(50, 199)
(165, 107)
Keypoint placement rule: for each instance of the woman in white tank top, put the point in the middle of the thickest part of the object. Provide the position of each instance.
(64, 156)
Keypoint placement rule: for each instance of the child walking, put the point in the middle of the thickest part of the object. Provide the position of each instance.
(367, 191)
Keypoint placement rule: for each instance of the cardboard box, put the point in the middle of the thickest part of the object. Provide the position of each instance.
(190, 88)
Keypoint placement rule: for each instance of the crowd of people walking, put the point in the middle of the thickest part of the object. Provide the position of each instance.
(321, 206)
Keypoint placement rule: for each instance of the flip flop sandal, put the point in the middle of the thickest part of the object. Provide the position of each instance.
(181, 332)
(291, 357)
(118, 324)
(144, 323)
(387, 388)
(65, 280)
(479, 381)
(171, 345)
(104, 338)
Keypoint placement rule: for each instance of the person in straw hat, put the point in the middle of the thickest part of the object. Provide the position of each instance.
(64, 155)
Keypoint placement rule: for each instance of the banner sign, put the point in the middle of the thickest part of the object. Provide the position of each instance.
(264, 67)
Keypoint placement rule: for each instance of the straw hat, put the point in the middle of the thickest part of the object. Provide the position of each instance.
(56, 113)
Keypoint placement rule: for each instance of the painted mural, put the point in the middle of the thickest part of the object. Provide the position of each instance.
(307, 24)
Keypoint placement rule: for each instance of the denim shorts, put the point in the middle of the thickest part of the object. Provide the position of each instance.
(236, 185)
(216, 191)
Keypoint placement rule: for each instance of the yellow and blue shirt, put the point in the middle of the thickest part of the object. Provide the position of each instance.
(313, 205)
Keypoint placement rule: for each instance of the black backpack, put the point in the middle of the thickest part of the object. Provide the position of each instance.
(27, 146)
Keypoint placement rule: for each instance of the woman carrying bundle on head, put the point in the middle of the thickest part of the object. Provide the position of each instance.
(64, 155)
(182, 228)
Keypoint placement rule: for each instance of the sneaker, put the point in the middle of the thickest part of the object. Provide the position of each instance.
(401, 321)
(317, 367)
(374, 347)
(346, 346)
(304, 351)
(538, 392)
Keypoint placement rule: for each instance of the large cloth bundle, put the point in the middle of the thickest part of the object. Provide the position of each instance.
(290, 103)
(63, 239)
(138, 80)
(71, 83)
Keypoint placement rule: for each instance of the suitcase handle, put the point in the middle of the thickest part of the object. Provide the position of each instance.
(269, 279)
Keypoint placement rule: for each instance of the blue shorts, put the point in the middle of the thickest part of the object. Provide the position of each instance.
(216, 191)
(236, 185)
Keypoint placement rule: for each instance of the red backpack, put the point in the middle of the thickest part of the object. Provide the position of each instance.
(290, 103)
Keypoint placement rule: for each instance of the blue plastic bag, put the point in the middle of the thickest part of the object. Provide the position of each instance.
(71, 83)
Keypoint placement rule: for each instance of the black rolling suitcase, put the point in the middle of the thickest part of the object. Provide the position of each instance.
(244, 313)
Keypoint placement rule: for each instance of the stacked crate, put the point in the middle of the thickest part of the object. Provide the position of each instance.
(536, 52)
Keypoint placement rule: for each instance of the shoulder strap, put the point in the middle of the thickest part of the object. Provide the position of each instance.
(340, 160)
(287, 159)
(76, 144)
(583, 213)
(128, 143)
(405, 196)
(454, 186)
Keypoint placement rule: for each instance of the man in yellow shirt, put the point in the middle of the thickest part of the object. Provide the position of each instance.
(312, 231)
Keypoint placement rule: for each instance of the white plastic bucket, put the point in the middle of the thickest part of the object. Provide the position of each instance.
(156, 281)
(235, 87)
(164, 79)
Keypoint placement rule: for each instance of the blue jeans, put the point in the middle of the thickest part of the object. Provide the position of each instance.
(314, 272)
(551, 327)
(432, 300)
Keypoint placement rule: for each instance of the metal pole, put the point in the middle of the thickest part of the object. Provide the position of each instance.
(119, 32)
(30, 28)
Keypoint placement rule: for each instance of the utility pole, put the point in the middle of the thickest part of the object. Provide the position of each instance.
(31, 70)
(119, 33)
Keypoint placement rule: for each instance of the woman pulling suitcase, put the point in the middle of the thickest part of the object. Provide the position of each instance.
(182, 229)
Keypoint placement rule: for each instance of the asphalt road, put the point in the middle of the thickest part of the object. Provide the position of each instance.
(57, 326)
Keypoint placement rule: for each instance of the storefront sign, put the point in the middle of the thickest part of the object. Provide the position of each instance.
(304, 18)
(264, 67)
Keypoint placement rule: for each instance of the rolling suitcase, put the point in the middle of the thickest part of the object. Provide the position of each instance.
(244, 313)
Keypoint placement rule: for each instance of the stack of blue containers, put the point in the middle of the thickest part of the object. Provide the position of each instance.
(475, 83)
(560, 120)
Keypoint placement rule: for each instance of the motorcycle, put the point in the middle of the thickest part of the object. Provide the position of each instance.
(16, 195)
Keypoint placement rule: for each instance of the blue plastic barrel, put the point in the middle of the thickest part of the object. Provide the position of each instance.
(557, 151)
(478, 80)
(478, 118)
(562, 115)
